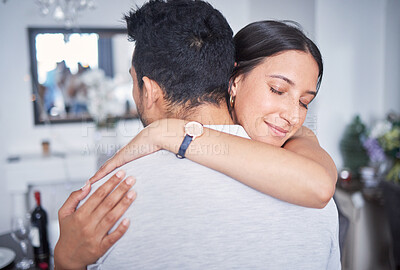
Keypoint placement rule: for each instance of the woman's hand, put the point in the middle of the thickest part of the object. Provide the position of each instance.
(84, 233)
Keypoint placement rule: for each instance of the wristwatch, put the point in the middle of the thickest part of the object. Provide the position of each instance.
(192, 131)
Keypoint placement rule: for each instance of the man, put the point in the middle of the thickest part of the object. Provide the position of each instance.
(188, 216)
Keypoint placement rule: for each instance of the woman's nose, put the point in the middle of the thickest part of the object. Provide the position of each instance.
(291, 112)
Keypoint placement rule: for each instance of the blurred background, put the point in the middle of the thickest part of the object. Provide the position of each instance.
(56, 130)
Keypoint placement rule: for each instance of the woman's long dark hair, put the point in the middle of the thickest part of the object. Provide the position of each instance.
(262, 39)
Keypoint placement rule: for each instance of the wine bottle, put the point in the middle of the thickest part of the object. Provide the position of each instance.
(39, 237)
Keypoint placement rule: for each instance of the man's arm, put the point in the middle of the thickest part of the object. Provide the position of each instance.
(84, 236)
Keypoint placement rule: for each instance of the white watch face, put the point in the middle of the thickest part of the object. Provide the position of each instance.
(194, 129)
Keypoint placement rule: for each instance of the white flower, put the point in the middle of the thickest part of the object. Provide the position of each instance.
(380, 129)
(103, 100)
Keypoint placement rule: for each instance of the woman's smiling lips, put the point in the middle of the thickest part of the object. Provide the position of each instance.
(280, 132)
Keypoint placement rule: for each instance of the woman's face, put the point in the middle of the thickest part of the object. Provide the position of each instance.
(271, 100)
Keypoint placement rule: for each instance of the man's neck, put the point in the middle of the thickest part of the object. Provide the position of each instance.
(209, 115)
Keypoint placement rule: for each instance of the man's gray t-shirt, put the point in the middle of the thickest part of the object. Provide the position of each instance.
(187, 216)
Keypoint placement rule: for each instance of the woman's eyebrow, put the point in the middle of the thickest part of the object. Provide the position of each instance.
(289, 81)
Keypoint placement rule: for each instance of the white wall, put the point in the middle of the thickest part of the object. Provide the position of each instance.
(392, 57)
(301, 11)
(351, 36)
(236, 12)
(4, 196)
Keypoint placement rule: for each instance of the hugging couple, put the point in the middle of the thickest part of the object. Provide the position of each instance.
(265, 202)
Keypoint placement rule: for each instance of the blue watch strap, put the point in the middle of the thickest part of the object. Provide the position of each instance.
(184, 146)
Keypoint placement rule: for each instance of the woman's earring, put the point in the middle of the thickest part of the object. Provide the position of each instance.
(232, 101)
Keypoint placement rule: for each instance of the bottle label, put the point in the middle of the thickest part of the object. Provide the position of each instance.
(35, 236)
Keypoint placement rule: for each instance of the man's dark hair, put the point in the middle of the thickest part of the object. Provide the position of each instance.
(186, 46)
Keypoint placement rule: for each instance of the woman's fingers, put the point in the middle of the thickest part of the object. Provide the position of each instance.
(84, 233)
(112, 200)
(116, 213)
(103, 171)
(73, 200)
(97, 198)
(113, 237)
(113, 163)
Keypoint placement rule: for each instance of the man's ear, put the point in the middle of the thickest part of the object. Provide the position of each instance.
(152, 92)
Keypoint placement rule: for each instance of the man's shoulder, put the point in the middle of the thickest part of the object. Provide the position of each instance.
(236, 130)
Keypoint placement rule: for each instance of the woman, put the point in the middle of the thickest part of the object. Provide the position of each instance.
(277, 74)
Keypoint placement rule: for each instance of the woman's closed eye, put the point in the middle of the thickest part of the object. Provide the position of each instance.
(273, 90)
(305, 101)
(303, 104)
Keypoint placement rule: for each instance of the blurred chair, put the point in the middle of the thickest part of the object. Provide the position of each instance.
(365, 243)
(344, 224)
